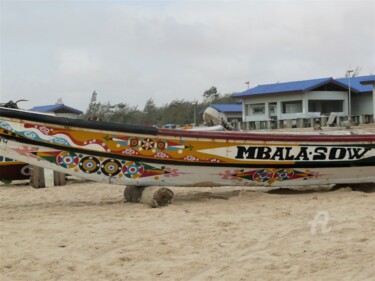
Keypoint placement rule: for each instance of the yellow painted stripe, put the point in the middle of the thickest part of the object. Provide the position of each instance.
(9, 163)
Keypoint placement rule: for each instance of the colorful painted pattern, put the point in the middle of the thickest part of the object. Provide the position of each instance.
(150, 156)
(99, 165)
(268, 175)
(117, 144)
(189, 150)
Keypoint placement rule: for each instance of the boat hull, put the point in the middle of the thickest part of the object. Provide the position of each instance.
(145, 174)
(130, 155)
(14, 170)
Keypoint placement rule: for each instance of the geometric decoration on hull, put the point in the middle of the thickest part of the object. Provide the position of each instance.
(110, 167)
(89, 164)
(147, 143)
(161, 144)
(50, 156)
(150, 171)
(133, 142)
(132, 169)
(136, 170)
(67, 159)
(271, 175)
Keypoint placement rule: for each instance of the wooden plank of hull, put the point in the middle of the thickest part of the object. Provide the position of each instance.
(135, 155)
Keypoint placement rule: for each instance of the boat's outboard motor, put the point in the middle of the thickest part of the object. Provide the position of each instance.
(211, 117)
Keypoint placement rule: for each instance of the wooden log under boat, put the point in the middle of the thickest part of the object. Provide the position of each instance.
(154, 196)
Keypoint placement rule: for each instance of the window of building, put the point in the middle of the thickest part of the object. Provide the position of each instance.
(273, 108)
(325, 107)
(258, 108)
(292, 106)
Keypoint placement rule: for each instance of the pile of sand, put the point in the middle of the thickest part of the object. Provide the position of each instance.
(84, 231)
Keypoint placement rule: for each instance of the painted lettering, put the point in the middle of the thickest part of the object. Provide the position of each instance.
(288, 156)
(264, 153)
(242, 151)
(320, 153)
(278, 155)
(354, 152)
(301, 153)
(337, 153)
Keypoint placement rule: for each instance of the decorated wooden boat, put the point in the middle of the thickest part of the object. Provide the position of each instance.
(144, 156)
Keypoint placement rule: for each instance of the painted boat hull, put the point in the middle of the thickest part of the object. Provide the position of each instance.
(134, 155)
(14, 170)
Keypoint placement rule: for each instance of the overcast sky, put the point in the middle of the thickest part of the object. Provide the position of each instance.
(130, 51)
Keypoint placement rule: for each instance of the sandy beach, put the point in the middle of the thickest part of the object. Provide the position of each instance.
(84, 231)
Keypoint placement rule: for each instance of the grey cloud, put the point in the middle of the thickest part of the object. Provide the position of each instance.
(131, 51)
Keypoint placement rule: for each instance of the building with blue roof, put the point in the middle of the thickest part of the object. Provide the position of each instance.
(307, 99)
(230, 113)
(228, 108)
(58, 109)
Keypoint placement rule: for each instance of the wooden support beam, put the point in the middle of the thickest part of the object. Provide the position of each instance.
(59, 179)
(40, 178)
(37, 177)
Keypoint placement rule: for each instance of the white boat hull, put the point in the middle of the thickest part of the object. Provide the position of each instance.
(177, 175)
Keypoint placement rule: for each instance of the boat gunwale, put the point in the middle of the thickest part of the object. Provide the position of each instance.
(249, 164)
(79, 123)
(227, 135)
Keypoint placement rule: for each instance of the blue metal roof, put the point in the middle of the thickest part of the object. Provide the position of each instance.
(55, 107)
(227, 107)
(306, 85)
(368, 81)
(295, 86)
(355, 83)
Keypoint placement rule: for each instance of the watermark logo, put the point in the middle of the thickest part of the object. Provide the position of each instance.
(321, 218)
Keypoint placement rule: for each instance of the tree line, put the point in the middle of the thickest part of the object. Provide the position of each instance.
(178, 111)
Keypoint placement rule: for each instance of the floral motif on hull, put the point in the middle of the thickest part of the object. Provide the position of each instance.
(268, 175)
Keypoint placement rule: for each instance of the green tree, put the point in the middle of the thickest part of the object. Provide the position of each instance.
(210, 95)
(93, 107)
(151, 113)
(178, 111)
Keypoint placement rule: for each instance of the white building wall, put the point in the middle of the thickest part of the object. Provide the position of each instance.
(362, 104)
(232, 115)
(327, 95)
(280, 98)
(68, 115)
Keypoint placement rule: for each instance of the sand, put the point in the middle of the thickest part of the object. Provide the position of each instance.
(84, 231)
